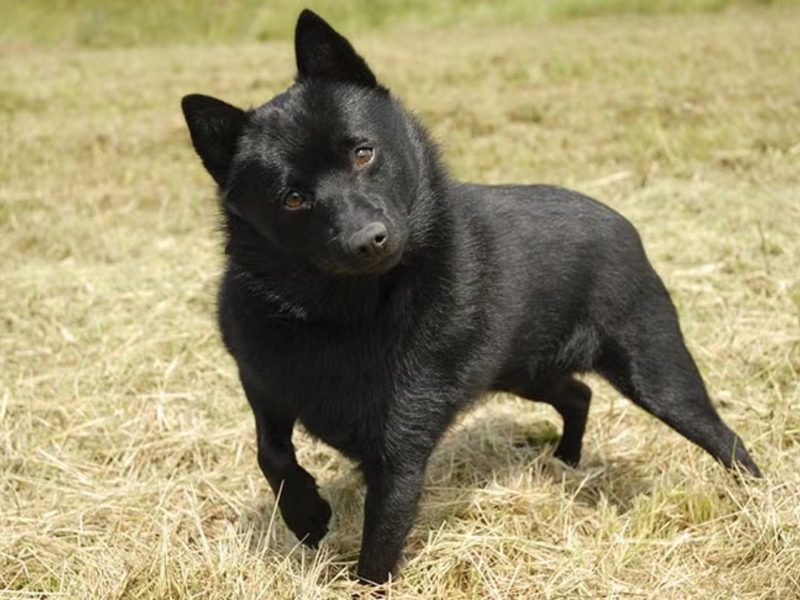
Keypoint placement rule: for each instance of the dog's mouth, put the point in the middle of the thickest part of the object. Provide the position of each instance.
(364, 266)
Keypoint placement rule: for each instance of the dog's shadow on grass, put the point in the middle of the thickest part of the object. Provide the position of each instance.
(503, 452)
(490, 451)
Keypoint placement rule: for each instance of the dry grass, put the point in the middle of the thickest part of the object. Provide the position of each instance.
(128, 465)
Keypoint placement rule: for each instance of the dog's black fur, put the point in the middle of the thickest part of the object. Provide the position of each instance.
(371, 297)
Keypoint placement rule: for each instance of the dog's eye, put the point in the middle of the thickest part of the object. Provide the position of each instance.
(293, 200)
(362, 156)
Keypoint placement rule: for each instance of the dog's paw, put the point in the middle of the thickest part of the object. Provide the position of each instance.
(305, 512)
(570, 456)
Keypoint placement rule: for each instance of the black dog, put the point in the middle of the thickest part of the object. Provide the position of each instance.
(371, 297)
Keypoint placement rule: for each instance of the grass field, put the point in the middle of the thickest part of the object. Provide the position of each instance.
(127, 454)
(109, 23)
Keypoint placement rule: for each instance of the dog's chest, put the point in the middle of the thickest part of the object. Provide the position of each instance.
(339, 383)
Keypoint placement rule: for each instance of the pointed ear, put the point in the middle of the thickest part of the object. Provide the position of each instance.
(214, 126)
(322, 53)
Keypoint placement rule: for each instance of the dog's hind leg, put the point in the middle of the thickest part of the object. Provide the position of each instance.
(570, 398)
(647, 361)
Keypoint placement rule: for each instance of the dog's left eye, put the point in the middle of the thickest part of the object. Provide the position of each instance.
(362, 156)
(293, 200)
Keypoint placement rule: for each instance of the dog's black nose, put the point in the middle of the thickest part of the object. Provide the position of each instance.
(370, 241)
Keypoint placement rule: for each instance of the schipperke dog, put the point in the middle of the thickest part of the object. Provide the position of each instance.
(371, 297)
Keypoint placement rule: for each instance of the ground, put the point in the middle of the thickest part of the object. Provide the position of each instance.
(127, 449)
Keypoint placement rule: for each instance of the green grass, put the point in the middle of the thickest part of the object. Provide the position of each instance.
(105, 23)
(127, 454)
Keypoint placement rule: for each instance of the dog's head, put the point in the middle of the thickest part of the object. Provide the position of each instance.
(327, 170)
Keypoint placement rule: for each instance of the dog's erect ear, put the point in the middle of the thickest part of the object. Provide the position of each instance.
(214, 126)
(324, 54)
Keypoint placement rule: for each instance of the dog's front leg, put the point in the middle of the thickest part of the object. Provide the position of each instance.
(305, 512)
(392, 493)
(394, 480)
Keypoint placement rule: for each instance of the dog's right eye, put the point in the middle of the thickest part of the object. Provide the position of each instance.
(293, 200)
(362, 156)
